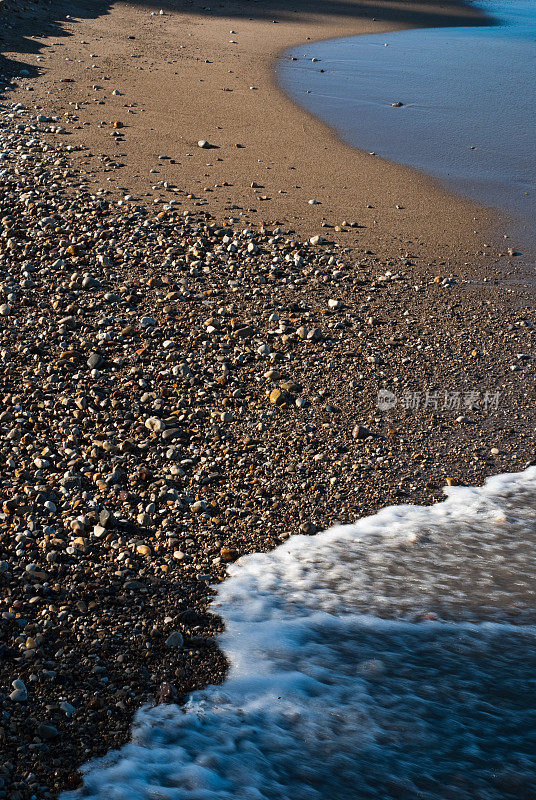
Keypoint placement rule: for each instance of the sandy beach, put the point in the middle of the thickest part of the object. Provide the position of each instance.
(193, 74)
(186, 382)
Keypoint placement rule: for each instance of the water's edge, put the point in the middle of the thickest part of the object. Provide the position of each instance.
(354, 83)
(391, 658)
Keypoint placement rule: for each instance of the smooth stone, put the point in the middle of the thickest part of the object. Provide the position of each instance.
(94, 360)
(20, 693)
(360, 432)
(67, 708)
(154, 424)
(279, 397)
(175, 639)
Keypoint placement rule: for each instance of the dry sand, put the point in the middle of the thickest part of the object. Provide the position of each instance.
(183, 76)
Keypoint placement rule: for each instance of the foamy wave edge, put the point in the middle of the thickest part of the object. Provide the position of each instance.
(220, 744)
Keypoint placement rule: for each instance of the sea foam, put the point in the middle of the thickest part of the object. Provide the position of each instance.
(392, 658)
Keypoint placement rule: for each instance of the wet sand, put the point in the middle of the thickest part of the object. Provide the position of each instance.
(449, 114)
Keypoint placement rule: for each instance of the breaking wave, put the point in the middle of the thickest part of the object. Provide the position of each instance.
(392, 658)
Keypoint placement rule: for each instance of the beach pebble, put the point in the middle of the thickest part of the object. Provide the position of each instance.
(47, 732)
(229, 553)
(175, 640)
(361, 432)
(278, 397)
(94, 360)
(272, 375)
(67, 708)
(155, 424)
(19, 693)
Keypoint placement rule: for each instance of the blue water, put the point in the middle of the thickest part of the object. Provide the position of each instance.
(468, 102)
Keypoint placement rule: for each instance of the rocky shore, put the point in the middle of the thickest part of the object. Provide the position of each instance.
(178, 390)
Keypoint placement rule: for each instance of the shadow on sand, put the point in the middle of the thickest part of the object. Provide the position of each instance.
(25, 22)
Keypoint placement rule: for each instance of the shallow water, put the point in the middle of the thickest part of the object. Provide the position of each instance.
(393, 658)
(468, 99)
